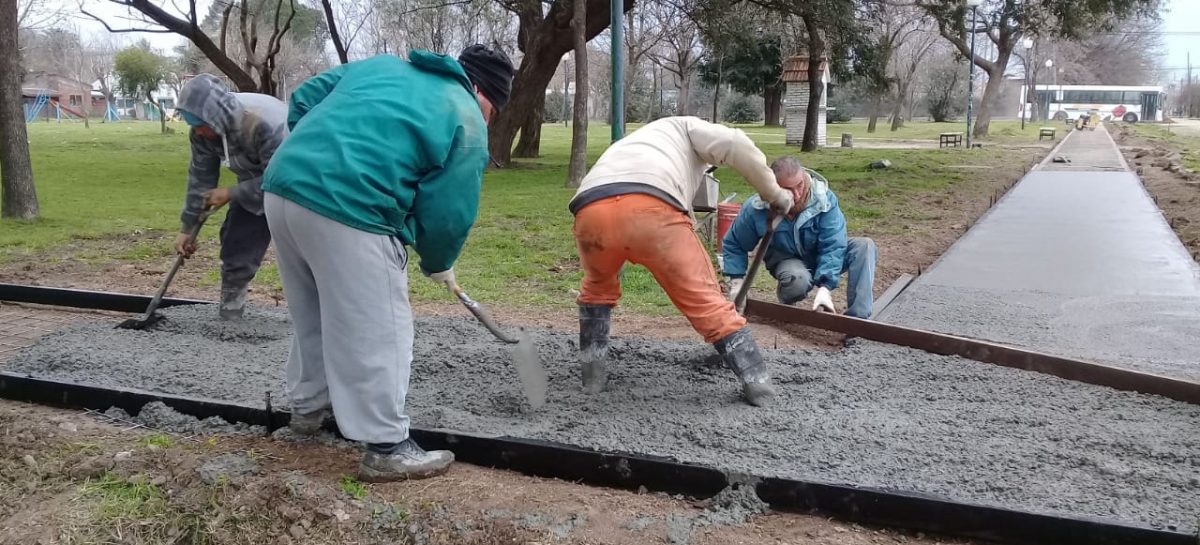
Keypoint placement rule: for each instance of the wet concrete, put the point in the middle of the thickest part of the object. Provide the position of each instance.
(873, 415)
(1076, 263)
(1087, 151)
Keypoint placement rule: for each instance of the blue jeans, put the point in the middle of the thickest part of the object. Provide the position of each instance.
(795, 279)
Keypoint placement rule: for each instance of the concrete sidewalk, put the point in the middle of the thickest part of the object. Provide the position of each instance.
(1075, 260)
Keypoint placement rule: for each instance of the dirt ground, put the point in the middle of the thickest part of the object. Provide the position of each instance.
(71, 477)
(1175, 189)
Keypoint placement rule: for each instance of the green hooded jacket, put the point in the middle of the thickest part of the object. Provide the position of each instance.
(390, 147)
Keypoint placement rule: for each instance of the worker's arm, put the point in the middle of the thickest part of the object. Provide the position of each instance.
(747, 229)
(266, 139)
(831, 246)
(721, 145)
(447, 201)
(204, 172)
(312, 92)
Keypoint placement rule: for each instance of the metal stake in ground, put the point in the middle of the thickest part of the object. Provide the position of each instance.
(149, 317)
(525, 357)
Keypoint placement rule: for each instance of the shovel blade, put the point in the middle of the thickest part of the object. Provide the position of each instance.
(140, 323)
(530, 371)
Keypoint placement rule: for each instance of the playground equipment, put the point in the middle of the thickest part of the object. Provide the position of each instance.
(59, 108)
(39, 102)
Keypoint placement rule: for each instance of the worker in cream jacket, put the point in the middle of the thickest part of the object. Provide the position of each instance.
(635, 205)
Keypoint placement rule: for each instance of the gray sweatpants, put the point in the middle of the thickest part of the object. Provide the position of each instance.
(347, 293)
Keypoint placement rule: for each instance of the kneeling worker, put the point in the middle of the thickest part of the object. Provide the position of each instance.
(242, 130)
(809, 248)
(635, 205)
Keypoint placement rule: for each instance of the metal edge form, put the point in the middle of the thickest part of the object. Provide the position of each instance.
(983, 351)
(553, 460)
(92, 300)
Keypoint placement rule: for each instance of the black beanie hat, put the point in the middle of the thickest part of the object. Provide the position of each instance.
(490, 71)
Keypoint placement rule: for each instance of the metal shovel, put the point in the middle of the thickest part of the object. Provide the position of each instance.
(530, 371)
(150, 317)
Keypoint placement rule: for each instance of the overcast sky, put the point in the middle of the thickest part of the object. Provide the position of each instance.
(1180, 33)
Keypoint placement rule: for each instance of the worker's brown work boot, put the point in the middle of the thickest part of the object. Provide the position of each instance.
(594, 323)
(742, 356)
(402, 461)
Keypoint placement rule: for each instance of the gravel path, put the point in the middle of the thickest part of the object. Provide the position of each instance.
(873, 414)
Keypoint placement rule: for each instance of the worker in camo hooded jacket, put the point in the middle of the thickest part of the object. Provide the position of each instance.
(241, 131)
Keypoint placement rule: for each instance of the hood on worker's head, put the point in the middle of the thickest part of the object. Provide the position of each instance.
(208, 99)
(441, 64)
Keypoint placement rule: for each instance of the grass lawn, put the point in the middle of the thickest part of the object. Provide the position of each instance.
(125, 182)
(1001, 130)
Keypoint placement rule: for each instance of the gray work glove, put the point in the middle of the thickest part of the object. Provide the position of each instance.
(735, 285)
(445, 277)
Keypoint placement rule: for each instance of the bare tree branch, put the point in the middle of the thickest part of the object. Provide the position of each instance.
(123, 30)
(507, 5)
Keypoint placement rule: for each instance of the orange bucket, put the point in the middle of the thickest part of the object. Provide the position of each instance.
(726, 213)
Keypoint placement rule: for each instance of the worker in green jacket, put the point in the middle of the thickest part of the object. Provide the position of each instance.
(383, 154)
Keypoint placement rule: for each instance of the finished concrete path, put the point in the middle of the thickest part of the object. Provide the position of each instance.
(1076, 260)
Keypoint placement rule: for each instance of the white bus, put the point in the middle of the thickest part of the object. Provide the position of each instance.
(1128, 103)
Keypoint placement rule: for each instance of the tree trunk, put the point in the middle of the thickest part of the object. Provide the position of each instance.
(578, 166)
(816, 87)
(530, 144)
(162, 114)
(876, 103)
(772, 106)
(654, 96)
(717, 89)
(984, 117)
(544, 43)
(683, 99)
(16, 173)
(333, 32)
(898, 108)
(531, 80)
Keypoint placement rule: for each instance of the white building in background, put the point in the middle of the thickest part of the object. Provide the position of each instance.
(796, 99)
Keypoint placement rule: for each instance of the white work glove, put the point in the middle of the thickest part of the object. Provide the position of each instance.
(823, 300)
(735, 285)
(445, 277)
(783, 203)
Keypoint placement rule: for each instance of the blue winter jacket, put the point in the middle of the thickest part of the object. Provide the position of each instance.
(817, 236)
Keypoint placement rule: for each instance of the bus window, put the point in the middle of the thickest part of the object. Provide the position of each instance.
(1132, 97)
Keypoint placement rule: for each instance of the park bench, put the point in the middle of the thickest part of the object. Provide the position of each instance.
(1046, 131)
(950, 139)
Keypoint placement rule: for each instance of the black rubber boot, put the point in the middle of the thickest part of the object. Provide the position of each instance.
(743, 358)
(594, 322)
(233, 302)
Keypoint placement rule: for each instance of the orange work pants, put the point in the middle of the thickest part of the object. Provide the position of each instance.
(645, 230)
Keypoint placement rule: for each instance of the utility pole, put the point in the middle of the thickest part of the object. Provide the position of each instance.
(617, 25)
(971, 73)
(566, 89)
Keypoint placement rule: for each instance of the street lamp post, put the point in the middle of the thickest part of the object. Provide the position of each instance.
(1027, 43)
(1053, 74)
(974, 5)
